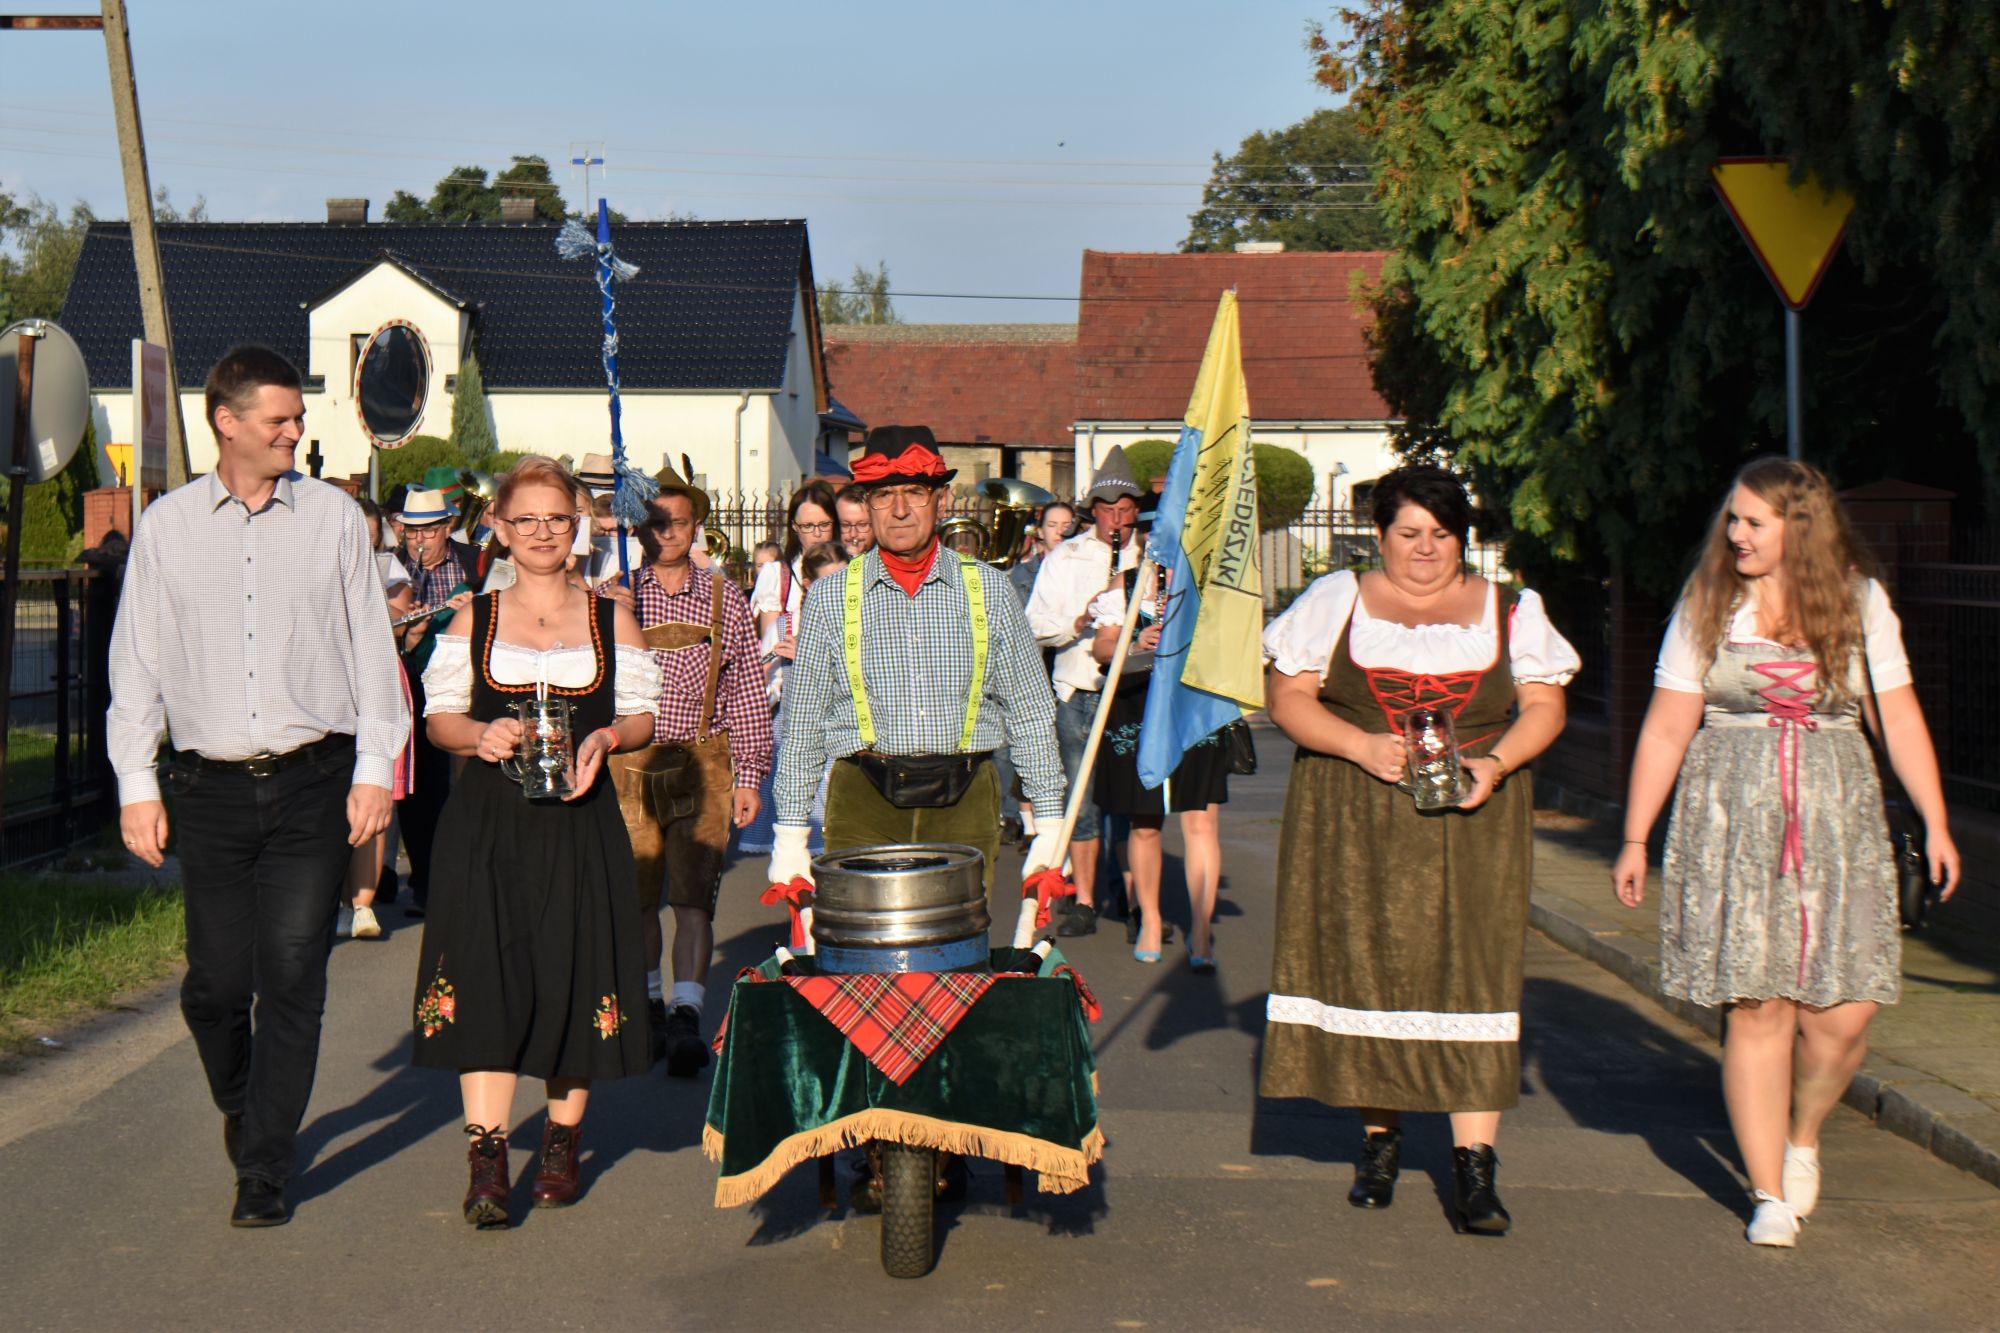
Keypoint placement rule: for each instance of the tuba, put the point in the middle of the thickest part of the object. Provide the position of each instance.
(479, 488)
(1014, 504)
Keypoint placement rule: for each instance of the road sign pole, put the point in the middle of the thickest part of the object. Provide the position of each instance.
(17, 498)
(1794, 405)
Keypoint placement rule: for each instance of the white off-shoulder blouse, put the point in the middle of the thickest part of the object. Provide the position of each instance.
(1302, 639)
(448, 678)
(1679, 668)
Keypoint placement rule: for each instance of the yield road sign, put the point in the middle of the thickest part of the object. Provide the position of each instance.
(1794, 229)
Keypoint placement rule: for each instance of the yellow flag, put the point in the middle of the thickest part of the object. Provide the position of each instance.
(1225, 656)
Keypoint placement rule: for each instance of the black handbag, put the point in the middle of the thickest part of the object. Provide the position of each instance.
(1242, 749)
(1915, 893)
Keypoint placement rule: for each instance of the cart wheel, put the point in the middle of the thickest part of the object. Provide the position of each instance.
(909, 1188)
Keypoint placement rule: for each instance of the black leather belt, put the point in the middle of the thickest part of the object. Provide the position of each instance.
(920, 782)
(268, 765)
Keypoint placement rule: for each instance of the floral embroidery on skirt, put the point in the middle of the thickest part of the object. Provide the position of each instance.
(608, 1020)
(438, 1006)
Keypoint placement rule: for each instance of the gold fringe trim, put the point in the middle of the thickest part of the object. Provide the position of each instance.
(1058, 1170)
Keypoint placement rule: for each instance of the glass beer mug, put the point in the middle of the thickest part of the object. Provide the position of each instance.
(545, 763)
(1432, 771)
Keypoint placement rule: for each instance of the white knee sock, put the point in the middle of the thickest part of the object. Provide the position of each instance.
(691, 994)
(653, 991)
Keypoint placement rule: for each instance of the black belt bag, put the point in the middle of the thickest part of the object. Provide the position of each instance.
(920, 782)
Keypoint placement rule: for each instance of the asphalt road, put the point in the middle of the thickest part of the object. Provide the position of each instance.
(1211, 1210)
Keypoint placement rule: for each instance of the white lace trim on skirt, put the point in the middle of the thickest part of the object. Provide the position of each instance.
(1396, 1024)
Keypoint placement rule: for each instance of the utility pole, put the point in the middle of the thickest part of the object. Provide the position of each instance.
(145, 241)
(586, 161)
(138, 203)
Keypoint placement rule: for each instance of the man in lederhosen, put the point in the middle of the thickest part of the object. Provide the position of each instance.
(711, 749)
(942, 671)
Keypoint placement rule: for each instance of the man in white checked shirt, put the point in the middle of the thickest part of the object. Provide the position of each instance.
(253, 639)
(940, 671)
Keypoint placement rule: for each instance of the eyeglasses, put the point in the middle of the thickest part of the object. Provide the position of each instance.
(851, 528)
(914, 496)
(822, 528)
(557, 524)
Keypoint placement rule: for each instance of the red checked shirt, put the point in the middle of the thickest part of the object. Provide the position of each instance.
(740, 706)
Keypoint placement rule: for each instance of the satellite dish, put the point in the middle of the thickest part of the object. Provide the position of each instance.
(58, 400)
(391, 382)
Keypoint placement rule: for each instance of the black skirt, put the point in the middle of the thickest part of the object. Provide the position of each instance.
(532, 957)
(1200, 780)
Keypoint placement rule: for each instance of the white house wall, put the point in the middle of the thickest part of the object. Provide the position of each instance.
(383, 293)
(1363, 447)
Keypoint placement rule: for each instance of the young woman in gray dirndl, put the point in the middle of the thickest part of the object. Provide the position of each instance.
(1397, 983)
(1779, 894)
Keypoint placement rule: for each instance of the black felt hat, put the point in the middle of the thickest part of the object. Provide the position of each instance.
(900, 456)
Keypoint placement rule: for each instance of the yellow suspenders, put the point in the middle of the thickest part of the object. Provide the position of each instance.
(975, 610)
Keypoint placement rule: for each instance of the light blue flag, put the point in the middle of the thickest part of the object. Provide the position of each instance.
(1176, 716)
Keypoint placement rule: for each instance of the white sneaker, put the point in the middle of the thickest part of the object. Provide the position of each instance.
(1774, 1223)
(343, 923)
(1801, 1179)
(365, 926)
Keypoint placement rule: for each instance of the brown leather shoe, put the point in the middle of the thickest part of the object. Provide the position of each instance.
(556, 1182)
(486, 1198)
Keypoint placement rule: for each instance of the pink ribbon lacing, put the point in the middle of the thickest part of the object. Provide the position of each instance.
(1790, 707)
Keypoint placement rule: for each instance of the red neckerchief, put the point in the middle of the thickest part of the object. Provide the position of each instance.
(909, 574)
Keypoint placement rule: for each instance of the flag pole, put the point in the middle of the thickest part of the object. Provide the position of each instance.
(1024, 925)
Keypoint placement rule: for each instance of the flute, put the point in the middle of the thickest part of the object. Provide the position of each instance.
(415, 616)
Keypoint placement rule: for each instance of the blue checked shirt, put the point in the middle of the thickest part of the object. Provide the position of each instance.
(916, 657)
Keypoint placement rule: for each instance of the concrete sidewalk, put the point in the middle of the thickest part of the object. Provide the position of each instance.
(1933, 1069)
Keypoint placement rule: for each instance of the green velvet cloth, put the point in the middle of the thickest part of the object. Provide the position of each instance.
(1015, 1080)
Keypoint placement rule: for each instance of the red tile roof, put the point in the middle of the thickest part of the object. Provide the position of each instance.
(1133, 356)
(1145, 319)
(1000, 384)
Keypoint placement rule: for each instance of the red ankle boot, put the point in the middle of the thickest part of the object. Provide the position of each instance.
(556, 1182)
(486, 1198)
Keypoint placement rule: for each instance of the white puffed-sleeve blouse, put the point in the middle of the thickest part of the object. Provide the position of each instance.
(1302, 639)
(448, 677)
(1679, 668)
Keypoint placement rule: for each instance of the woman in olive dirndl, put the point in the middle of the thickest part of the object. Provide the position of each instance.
(533, 961)
(1397, 985)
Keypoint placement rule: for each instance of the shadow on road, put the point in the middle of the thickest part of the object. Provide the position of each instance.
(1645, 1081)
(405, 1108)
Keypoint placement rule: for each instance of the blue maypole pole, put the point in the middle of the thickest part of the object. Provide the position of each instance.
(630, 488)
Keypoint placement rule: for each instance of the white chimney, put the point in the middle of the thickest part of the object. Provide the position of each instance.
(1260, 247)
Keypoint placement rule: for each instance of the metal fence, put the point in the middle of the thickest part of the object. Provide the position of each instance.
(57, 789)
(1951, 626)
(1318, 542)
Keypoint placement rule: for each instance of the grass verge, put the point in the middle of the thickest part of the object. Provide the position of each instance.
(70, 946)
(31, 765)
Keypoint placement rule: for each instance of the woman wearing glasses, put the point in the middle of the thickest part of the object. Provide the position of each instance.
(811, 518)
(533, 961)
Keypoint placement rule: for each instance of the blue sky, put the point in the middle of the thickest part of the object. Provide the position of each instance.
(977, 149)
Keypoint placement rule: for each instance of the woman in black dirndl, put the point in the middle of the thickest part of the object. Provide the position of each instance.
(532, 960)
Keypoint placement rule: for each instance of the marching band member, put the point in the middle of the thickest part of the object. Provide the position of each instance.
(710, 751)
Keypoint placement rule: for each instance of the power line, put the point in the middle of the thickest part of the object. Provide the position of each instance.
(1067, 163)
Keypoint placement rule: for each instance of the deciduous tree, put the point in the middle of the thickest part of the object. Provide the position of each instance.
(1307, 185)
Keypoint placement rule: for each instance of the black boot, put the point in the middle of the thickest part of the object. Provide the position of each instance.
(1475, 1204)
(1375, 1173)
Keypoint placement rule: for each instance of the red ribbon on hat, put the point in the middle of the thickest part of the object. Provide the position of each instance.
(794, 895)
(915, 461)
(1044, 886)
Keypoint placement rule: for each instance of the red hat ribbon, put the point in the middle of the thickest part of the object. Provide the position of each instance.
(915, 461)
(794, 895)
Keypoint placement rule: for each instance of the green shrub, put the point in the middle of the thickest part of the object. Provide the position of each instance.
(52, 517)
(1284, 477)
(406, 466)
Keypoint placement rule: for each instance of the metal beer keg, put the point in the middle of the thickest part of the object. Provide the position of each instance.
(903, 907)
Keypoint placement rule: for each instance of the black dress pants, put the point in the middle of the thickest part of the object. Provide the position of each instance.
(261, 862)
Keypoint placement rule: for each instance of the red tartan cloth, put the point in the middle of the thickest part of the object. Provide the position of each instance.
(895, 1019)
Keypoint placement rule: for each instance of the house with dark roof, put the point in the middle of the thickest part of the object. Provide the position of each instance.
(719, 352)
(1046, 402)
